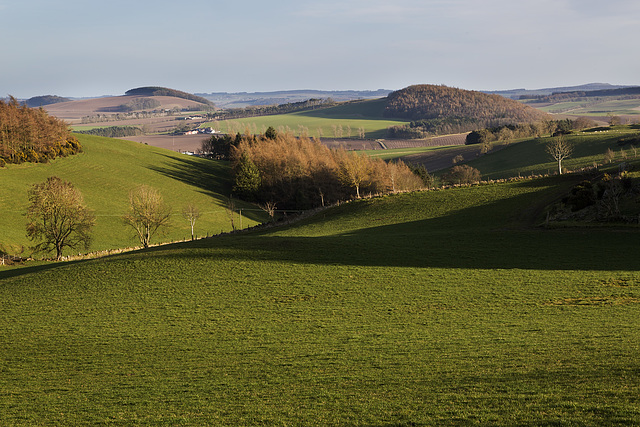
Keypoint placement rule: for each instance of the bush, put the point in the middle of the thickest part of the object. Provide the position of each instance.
(463, 174)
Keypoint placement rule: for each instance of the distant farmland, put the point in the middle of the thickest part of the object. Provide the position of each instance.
(342, 121)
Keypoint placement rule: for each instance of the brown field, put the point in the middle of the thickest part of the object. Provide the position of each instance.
(179, 143)
(74, 111)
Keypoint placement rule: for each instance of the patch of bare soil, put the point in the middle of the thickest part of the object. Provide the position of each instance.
(179, 143)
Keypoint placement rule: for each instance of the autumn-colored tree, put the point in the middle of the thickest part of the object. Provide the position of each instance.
(299, 173)
(462, 174)
(57, 217)
(147, 213)
(31, 135)
(354, 170)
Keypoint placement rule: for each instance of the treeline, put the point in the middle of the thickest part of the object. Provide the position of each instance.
(267, 110)
(31, 135)
(301, 173)
(425, 128)
(462, 110)
(113, 131)
(133, 105)
(100, 118)
(163, 91)
(622, 93)
(527, 130)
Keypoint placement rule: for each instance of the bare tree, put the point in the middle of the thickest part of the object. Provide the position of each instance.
(147, 213)
(270, 208)
(191, 213)
(609, 155)
(560, 149)
(58, 217)
(231, 213)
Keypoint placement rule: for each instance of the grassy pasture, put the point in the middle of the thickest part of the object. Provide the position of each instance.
(364, 114)
(436, 308)
(530, 157)
(106, 172)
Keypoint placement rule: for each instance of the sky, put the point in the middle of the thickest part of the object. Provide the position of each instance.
(85, 48)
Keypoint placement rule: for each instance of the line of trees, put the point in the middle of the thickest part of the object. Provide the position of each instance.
(114, 131)
(302, 173)
(526, 130)
(57, 217)
(266, 110)
(31, 135)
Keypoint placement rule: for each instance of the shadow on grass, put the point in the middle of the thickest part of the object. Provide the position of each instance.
(211, 177)
(21, 270)
(489, 236)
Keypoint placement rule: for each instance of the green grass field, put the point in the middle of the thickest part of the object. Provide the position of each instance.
(530, 157)
(396, 153)
(364, 114)
(437, 308)
(106, 172)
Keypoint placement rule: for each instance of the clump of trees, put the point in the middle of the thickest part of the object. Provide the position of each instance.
(164, 91)
(611, 197)
(265, 110)
(31, 135)
(301, 173)
(57, 217)
(134, 104)
(462, 174)
(526, 130)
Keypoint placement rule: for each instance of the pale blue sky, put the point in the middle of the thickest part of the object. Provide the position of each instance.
(91, 48)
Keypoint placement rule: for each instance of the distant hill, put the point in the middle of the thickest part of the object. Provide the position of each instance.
(39, 101)
(163, 91)
(527, 93)
(467, 110)
(562, 96)
(245, 99)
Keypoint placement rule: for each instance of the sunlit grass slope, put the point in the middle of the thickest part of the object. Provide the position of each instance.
(105, 173)
(437, 308)
(364, 114)
(530, 156)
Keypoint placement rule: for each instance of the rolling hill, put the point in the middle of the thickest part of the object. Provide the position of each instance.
(105, 173)
(428, 102)
(435, 308)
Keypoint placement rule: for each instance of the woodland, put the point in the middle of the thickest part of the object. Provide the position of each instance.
(302, 173)
(31, 135)
(442, 109)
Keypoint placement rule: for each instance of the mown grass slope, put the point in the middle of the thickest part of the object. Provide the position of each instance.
(105, 173)
(436, 308)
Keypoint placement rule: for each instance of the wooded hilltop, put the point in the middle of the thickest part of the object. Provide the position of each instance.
(439, 109)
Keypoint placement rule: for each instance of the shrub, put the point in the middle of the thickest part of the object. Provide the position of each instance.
(463, 174)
